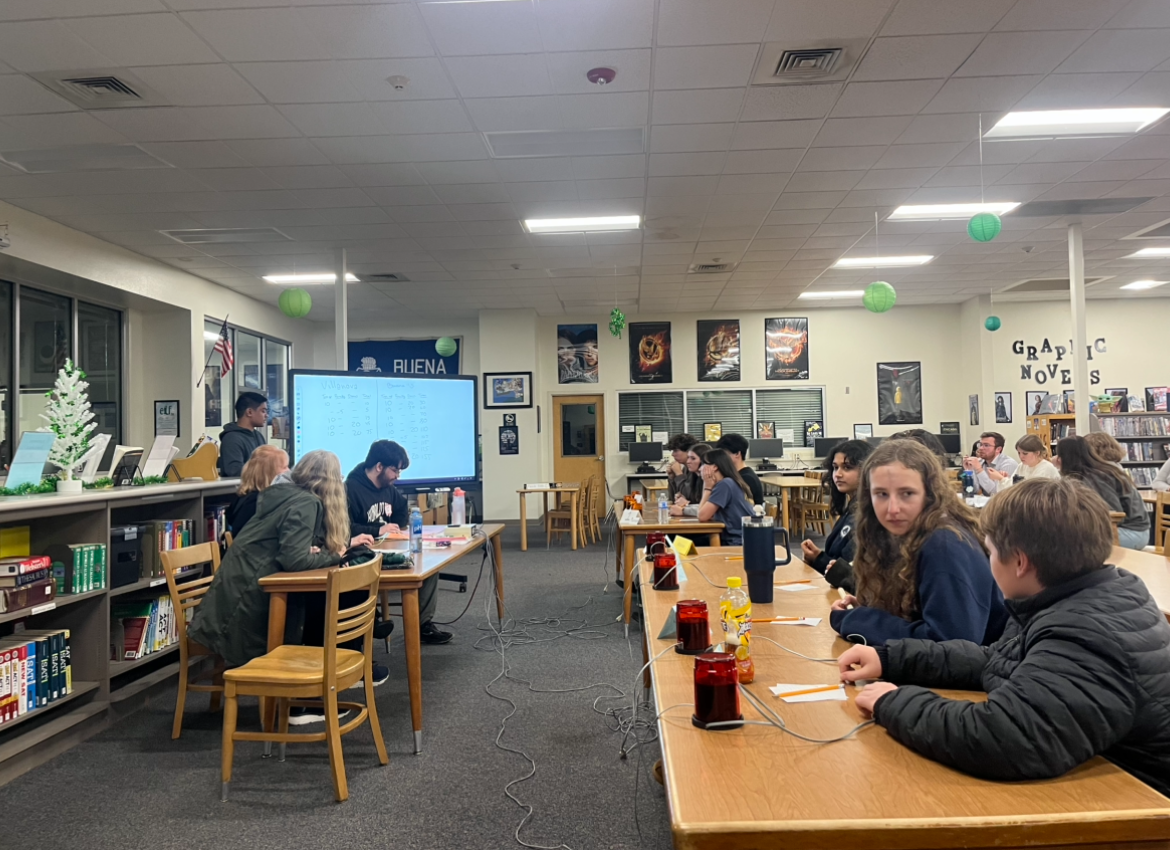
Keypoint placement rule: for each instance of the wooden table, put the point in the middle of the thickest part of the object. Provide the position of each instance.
(574, 494)
(1151, 568)
(784, 483)
(280, 585)
(759, 788)
(628, 534)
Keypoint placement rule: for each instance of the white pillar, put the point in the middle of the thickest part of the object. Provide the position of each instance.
(1080, 341)
(340, 311)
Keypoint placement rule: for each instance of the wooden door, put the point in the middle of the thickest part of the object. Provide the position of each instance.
(578, 437)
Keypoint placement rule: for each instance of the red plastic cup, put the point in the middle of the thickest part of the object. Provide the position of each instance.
(694, 636)
(665, 572)
(716, 690)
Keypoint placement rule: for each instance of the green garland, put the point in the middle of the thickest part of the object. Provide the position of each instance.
(50, 486)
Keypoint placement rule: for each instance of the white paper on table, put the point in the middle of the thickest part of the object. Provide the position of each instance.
(835, 695)
(803, 621)
(795, 588)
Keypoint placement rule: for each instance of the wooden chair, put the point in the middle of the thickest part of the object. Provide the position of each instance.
(809, 506)
(187, 590)
(1117, 518)
(592, 515)
(314, 675)
(1161, 522)
(227, 539)
(562, 519)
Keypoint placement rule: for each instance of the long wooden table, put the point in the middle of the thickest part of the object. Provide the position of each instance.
(1151, 568)
(280, 585)
(759, 788)
(628, 534)
(571, 490)
(784, 483)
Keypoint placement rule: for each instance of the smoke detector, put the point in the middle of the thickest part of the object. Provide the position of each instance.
(601, 76)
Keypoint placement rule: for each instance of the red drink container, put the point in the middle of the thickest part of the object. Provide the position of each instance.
(656, 543)
(716, 690)
(691, 627)
(665, 572)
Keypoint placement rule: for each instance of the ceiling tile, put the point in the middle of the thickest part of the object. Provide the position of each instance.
(774, 134)
(911, 156)
(924, 17)
(523, 169)
(841, 132)
(942, 128)
(1142, 13)
(803, 20)
(278, 152)
(474, 29)
(709, 67)
(351, 31)
(596, 24)
(456, 172)
(671, 138)
(770, 103)
(300, 82)
(586, 111)
(1119, 50)
(823, 181)
(567, 70)
(1004, 54)
(627, 187)
(1067, 91)
(1069, 14)
(696, 106)
(47, 46)
(20, 95)
(916, 57)
(308, 177)
(981, 94)
(257, 35)
(762, 161)
(428, 80)
(891, 98)
(171, 124)
(703, 22)
(198, 85)
(500, 76)
(672, 164)
(39, 131)
(161, 39)
(425, 147)
(834, 159)
(895, 178)
(541, 112)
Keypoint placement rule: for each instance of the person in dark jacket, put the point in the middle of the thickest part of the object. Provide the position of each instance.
(298, 526)
(239, 439)
(1112, 483)
(1082, 669)
(920, 566)
(376, 507)
(736, 445)
(835, 561)
(259, 473)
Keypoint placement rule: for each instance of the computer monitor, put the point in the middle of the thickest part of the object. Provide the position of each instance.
(645, 454)
(952, 443)
(762, 450)
(875, 441)
(823, 445)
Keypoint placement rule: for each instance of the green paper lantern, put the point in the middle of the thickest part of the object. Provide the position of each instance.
(879, 297)
(445, 346)
(617, 322)
(984, 226)
(992, 323)
(295, 303)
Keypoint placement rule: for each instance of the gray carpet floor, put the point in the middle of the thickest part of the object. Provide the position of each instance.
(132, 787)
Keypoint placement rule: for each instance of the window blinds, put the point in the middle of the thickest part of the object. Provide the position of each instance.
(661, 411)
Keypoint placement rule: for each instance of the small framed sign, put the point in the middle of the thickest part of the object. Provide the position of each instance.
(166, 418)
(507, 389)
(863, 432)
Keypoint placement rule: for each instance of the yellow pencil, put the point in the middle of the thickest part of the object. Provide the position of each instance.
(778, 620)
(734, 558)
(809, 691)
(802, 581)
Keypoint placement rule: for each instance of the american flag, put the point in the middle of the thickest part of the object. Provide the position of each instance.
(224, 347)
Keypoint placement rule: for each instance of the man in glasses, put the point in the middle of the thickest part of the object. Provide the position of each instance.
(991, 465)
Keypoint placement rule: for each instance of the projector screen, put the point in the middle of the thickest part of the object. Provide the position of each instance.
(433, 418)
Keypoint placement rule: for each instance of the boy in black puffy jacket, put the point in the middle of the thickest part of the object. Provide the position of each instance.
(1082, 669)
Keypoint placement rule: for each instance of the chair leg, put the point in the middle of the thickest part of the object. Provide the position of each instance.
(216, 701)
(180, 703)
(375, 725)
(230, 712)
(333, 738)
(282, 708)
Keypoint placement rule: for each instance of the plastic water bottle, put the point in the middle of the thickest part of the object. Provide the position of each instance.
(459, 507)
(663, 507)
(416, 530)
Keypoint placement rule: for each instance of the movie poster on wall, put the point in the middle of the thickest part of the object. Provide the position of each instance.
(718, 350)
(899, 388)
(650, 355)
(786, 349)
(577, 354)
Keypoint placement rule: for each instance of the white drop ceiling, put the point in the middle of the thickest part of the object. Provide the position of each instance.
(281, 116)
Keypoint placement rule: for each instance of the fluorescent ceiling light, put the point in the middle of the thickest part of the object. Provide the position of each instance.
(322, 277)
(1074, 122)
(1148, 253)
(577, 225)
(946, 212)
(826, 294)
(881, 262)
(1144, 284)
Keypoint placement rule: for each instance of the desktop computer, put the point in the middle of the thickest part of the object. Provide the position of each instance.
(823, 445)
(646, 454)
(763, 450)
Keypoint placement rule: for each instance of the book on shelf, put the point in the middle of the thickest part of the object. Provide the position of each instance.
(1149, 425)
(141, 628)
(78, 567)
(20, 566)
(37, 667)
(163, 535)
(25, 578)
(215, 520)
(28, 596)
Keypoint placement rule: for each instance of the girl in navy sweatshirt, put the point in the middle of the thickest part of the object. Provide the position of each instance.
(834, 562)
(920, 567)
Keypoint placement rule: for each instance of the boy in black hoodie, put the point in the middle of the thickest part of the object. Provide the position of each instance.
(376, 508)
(239, 439)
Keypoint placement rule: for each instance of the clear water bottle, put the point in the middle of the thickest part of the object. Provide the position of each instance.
(663, 507)
(459, 507)
(416, 530)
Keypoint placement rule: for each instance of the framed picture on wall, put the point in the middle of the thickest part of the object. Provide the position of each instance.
(862, 432)
(1155, 398)
(718, 349)
(509, 439)
(1003, 408)
(712, 431)
(813, 429)
(643, 433)
(650, 355)
(577, 355)
(765, 430)
(973, 408)
(1070, 402)
(1033, 399)
(786, 349)
(899, 391)
(1122, 396)
(507, 389)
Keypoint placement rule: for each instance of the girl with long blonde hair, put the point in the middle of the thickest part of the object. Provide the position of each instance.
(921, 569)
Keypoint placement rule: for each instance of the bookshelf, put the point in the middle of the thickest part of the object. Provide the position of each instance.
(1051, 428)
(1145, 438)
(103, 690)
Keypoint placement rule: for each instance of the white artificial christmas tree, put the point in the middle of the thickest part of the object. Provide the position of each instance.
(69, 418)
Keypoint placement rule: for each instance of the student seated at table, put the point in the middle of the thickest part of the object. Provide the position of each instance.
(687, 503)
(834, 562)
(376, 507)
(1106, 448)
(1034, 462)
(299, 525)
(990, 464)
(920, 568)
(239, 439)
(737, 446)
(726, 498)
(1112, 484)
(259, 473)
(681, 481)
(1082, 669)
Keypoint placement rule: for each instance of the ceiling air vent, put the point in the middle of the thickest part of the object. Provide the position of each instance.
(811, 62)
(385, 277)
(711, 268)
(227, 234)
(787, 63)
(1048, 284)
(106, 88)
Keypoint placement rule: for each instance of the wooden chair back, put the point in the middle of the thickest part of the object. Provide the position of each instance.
(227, 539)
(346, 624)
(1116, 518)
(1161, 521)
(187, 589)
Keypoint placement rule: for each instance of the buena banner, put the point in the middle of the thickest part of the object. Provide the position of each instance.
(403, 357)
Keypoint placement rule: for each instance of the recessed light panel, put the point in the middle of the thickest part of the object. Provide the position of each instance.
(322, 277)
(1074, 122)
(947, 212)
(881, 262)
(1144, 284)
(579, 225)
(828, 295)
(1149, 254)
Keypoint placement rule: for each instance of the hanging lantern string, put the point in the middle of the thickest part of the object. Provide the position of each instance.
(877, 237)
(981, 198)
